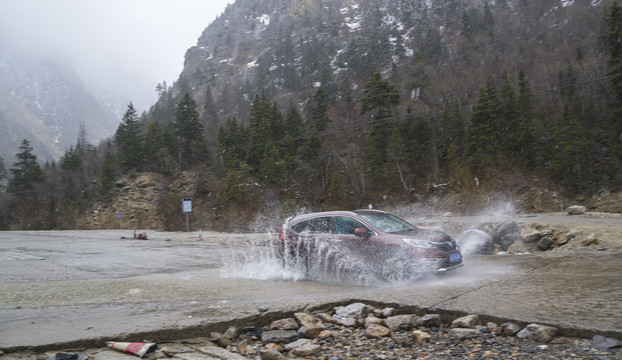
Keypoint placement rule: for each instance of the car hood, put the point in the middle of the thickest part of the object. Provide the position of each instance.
(425, 234)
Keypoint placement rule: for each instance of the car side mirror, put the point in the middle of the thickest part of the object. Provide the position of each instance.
(362, 233)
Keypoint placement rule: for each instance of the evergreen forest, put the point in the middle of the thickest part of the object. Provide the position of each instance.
(337, 108)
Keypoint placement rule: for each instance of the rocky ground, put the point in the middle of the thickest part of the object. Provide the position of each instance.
(360, 331)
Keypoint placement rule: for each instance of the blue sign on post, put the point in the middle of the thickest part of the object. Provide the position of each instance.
(187, 205)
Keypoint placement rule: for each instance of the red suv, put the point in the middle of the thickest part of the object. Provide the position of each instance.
(369, 241)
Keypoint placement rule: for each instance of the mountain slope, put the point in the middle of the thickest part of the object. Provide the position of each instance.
(51, 92)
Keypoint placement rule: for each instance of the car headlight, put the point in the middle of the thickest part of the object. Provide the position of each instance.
(419, 243)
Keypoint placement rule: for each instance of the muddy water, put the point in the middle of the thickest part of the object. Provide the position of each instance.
(63, 286)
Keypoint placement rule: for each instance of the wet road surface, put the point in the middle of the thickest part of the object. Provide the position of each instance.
(62, 286)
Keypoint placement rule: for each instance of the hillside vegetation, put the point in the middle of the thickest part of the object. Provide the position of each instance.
(336, 105)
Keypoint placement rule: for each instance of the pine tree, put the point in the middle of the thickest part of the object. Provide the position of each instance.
(106, 178)
(317, 110)
(380, 97)
(483, 133)
(3, 173)
(570, 157)
(26, 172)
(128, 140)
(611, 34)
(189, 133)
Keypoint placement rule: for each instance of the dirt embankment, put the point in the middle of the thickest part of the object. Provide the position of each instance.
(154, 201)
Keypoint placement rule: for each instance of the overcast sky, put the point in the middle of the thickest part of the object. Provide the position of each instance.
(128, 45)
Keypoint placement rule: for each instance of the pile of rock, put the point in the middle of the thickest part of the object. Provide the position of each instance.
(510, 237)
(363, 331)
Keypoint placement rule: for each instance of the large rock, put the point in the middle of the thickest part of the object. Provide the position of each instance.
(576, 210)
(509, 328)
(419, 336)
(506, 234)
(475, 242)
(357, 310)
(279, 336)
(302, 347)
(311, 326)
(537, 332)
(376, 331)
(429, 320)
(400, 322)
(469, 321)
(603, 343)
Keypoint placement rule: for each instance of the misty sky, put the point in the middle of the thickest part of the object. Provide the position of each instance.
(127, 45)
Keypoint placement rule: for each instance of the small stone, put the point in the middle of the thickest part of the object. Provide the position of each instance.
(326, 318)
(271, 355)
(463, 333)
(469, 321)
(387, 312)
(419, 336)
(275, 347)
(372, 320)
(494, 328)
(278, 336)
(357, 310)
(348, 321)
(284, 324)
(542, 333)
(231, 333)
(603, 343)
(509, 328)
(376, 331)
(592, 239)
(325, 334)
(302, 347)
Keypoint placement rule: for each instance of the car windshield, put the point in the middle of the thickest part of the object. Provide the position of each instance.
(388, 223)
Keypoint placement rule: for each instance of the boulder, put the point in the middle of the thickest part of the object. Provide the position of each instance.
(545, 243)
(506, 234)
(576, 210)
(469, 321)
(475, 242)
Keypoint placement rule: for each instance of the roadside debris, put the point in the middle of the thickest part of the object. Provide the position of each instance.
(140, 349)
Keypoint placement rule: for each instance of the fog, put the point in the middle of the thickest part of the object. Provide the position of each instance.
(116, 46)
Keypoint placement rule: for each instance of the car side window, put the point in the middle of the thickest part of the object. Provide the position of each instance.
(346, 225)
(319, 225)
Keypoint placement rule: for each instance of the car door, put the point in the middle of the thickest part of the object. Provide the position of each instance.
(361, 250)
